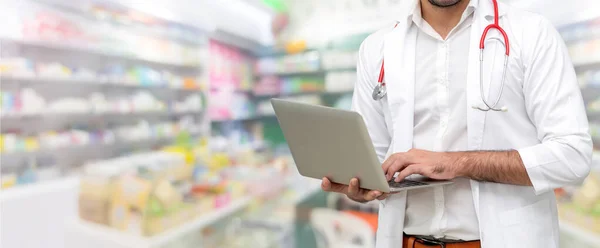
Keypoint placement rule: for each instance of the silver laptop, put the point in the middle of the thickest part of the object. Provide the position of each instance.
(334, 143)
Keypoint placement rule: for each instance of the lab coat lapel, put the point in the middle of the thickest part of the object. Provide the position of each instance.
(399, 55)
(476, 118)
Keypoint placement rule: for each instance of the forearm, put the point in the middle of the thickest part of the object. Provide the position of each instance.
(492, 166)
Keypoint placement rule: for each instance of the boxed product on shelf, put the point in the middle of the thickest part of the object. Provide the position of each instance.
(589, 78)
(267, 86)
(583, 41)
(130, 193)
(344, 102)
(308, 99)
(339, 60)
(581, 31)
(340, 81)
(229, 105)
(290, 85)
(16, 66)
(304, 62)
(148, 193)
(32, 170)
(229, 68)
(24, 102)
(265, 108)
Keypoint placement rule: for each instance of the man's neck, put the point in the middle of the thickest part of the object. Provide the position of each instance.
(443, 19)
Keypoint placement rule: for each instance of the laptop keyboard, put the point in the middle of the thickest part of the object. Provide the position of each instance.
(405, 183)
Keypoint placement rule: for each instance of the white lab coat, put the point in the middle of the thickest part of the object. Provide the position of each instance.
(545, 122)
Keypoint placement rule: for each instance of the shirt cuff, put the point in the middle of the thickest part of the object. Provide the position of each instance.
(534, 170)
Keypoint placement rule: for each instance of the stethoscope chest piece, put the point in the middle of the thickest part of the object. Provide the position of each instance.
(379, 92)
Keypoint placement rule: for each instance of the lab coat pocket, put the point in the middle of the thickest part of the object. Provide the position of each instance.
(529, 226)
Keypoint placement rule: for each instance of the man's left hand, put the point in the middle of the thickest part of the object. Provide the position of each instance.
(435, 165)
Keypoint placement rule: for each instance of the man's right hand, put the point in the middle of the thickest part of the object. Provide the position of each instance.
(352, 190)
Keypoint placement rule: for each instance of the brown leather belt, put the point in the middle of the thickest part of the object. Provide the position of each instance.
(430, 242)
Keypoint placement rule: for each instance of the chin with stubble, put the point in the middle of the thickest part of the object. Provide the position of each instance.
(444, 3)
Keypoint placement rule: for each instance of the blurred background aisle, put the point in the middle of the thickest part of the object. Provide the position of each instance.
(135, 123)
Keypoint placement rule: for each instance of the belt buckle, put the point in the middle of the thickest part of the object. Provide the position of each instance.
(430, 241)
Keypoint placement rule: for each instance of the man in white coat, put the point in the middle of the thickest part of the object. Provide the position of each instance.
(505, 164)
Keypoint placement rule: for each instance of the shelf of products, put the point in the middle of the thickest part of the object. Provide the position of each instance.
(588, 62)
(88, 84)
(312, 63)
(299, 93)
(248, 118)
(107, 53)
(231, 80)
(31, 146)
(38, 188)
(18, 142)
(339, 60)
(86, 115)
(579, 210)
(103, 235)
(28, 102)
(35, 24)
(330, 71)
(170, 195)
(583, 43)
(93, 82)
(60, 46)
(308, 62)
(17, 68)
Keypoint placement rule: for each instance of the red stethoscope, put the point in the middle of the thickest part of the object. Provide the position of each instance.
(379, 92)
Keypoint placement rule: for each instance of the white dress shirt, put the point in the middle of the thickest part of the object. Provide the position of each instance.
(440, 124)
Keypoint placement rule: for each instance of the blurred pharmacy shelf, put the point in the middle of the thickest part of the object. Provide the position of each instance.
(85, 234)
(266, 97)
(248, 118)
(292, 73)
(199, 223)
(86, 115)
(96, 52)
(90, 82)
(582, 235)
(31, 190)
(74, 148)
(300, 93)
(311, 187)
(586, 63)
(320, 72)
